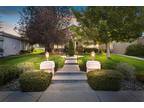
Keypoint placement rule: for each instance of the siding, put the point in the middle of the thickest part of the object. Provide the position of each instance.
(11, 46)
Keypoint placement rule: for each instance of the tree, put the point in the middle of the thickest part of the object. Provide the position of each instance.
(45, 25)
(107, 24)
(71, 50)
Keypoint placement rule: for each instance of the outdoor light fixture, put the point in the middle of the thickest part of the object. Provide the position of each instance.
(93, 54)
(47, 55)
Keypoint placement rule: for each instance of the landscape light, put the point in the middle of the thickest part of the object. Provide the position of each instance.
(93, 54)
(47, 55)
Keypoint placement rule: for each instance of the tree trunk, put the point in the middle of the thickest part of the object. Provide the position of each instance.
(48, 48)
(108, 50)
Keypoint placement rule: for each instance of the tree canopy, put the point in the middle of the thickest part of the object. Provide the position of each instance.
(45, 25)
(107, 24)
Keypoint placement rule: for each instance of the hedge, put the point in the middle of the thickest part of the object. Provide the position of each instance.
(89, 50)
(135, 50)
(9, 73)
(26, 66)
(104, 80)
(128, 71)
(35, 81)
(140, 76)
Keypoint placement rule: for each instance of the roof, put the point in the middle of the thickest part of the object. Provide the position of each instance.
(4, 34)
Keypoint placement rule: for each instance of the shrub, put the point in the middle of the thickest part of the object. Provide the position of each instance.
(127, 70)
(104, 80)
(135, 50)
(89, 50)
(66, 49)
(8, 73)
(38, 51)
(140, 76)
(24, 52)
(1, 78)
(80, 49)
(71, 50)
(35, 81)
(59, 61)
(82, 62)
(26, 66)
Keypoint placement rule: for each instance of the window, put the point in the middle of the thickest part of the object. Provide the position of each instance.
(1, 44)
(142, 34)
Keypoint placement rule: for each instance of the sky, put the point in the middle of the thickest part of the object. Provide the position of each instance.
(9, 16)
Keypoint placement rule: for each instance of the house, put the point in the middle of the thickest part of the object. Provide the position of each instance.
(11, 44)
(120, 47)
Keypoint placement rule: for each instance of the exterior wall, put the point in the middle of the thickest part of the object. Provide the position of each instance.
(120, 47)
(11, 46)
(141, 40)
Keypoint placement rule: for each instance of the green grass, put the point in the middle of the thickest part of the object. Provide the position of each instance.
(35, 58)
(111, 63)
(38, 51)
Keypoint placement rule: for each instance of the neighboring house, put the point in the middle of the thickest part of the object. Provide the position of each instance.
(120, 47)
(11, 44)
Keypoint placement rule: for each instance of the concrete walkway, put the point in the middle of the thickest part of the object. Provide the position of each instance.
(134, 57)
(69, 85)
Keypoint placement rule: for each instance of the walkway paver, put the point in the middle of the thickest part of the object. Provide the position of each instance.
(23, 97)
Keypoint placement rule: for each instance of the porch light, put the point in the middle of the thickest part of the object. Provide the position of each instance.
(47, 55)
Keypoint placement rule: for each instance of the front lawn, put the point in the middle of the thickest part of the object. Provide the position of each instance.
(35, 58)
(111, 63)
(13, 66)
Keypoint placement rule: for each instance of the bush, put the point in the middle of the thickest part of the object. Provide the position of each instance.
(35, 81)
(59, 61)
(127, 70)
(104, 80)
(82, 62)
(24, 52)
(26, 66)
(38, 51)
(71, 50)
(80, 49)
(9, 73)
(140, 76)
(89, 50)
(135, 50)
